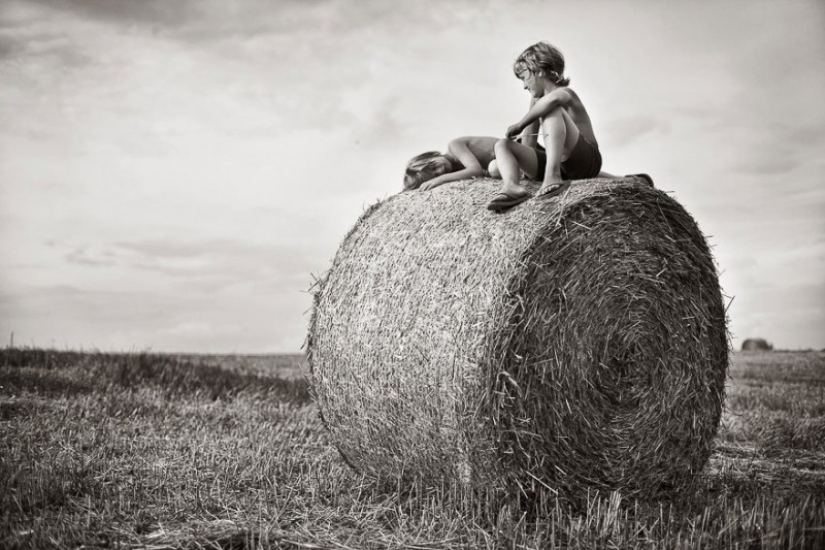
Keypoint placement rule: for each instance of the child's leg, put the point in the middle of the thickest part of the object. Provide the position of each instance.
(512, 158)
(561, 135)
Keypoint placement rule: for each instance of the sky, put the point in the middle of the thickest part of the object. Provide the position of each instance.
(175, 175)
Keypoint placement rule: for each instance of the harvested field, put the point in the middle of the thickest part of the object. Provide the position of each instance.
(96, 452)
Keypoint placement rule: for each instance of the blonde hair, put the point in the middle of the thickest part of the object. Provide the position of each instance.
(425, 167)
(545, 57)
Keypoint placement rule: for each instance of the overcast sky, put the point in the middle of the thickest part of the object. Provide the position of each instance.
(173, 173)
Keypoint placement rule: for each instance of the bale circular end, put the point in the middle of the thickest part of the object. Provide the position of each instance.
(573, 342)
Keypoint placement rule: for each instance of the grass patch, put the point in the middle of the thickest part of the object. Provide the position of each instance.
(71, 373)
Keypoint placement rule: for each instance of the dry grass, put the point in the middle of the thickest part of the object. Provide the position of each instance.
(139, 451)
(573, 343)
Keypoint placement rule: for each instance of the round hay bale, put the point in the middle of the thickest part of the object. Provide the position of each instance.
(756, 344)
(573, 342)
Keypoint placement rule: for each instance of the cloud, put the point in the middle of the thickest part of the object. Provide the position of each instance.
(155, 12)
(383, 126)
(621, 132)
(203, 264)
(80, 256)
(166, 319)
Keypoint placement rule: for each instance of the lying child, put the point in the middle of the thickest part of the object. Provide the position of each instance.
(466, 157)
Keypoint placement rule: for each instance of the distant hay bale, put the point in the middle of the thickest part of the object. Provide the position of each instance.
(573, 342)
(756, 344)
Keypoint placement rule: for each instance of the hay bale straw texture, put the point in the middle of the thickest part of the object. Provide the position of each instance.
(572, 342)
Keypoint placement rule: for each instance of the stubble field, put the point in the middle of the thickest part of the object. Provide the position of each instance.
(158, 451)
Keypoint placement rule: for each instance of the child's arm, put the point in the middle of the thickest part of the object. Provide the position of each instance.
(472, 167)
(559, 97)
(529, 135)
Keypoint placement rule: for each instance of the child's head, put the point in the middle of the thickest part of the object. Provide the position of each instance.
(426, 166)
(542, 57)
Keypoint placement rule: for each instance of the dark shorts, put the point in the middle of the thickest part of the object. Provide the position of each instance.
(584, 161)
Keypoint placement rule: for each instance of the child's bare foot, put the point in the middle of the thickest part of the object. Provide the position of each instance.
(509, 196)
(553, 188)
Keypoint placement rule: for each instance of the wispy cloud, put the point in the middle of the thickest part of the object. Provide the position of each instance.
(154, 12)
(195, 263)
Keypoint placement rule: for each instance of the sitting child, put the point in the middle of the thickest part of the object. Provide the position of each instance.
(572, 151)
(466, 157)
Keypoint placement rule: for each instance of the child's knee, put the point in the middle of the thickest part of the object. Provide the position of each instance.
(492, 169)
(503, 144)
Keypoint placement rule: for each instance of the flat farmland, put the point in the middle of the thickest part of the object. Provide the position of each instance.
(193, 451)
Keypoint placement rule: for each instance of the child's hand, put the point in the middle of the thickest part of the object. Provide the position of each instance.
(514, 131)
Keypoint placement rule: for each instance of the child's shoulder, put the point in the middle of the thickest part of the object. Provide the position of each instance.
(569, 91)
(570, 95)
